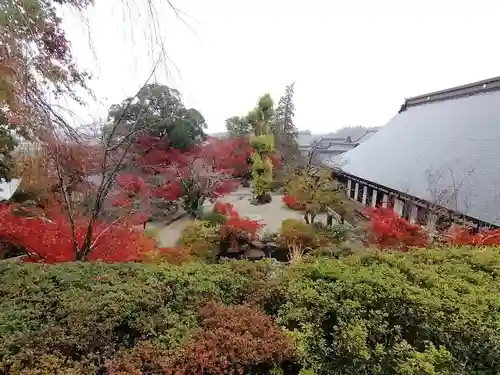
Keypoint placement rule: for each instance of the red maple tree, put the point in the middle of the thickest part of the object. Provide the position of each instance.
(236, 227)
(47, 237)
(465, 237)
(204, 172)
(292, 203)
(387, 230)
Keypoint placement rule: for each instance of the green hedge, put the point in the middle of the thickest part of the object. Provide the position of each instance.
(424, 312)
(81, 315)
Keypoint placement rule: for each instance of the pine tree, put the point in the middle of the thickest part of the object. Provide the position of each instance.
(263, 144)
(284, 129)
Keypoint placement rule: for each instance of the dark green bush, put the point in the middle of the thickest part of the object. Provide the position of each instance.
(421, 313)
(81, 315)
(424, 312)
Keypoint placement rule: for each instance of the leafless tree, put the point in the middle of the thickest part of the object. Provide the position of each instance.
(108, 153)
(449, 193)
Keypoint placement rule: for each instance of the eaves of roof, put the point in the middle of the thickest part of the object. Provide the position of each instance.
(444, 151)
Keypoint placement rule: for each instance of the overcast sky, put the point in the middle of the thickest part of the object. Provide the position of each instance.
(354, 61)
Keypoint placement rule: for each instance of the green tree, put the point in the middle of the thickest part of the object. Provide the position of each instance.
(285, 131)
(157, 110)
(263, 144)
(238, 126)
(316, 193)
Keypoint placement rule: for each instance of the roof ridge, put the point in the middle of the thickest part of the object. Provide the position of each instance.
(474, 88)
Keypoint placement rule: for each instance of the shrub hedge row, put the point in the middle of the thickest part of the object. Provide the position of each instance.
(419, 313)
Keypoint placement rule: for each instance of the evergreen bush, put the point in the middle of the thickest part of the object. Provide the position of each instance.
(432, 311)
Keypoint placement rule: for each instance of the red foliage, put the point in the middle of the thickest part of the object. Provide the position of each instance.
(131, 184)
(50, 239)
(236, 227)
(171, 191)
(388, 230)
(234, 340)
(464, 237)
(226, 209)
(223, 188)
(229, 155)
(211, 189)
(133, 198)
(275, 160)
(209, 165)
(291, 202)
(231, 341)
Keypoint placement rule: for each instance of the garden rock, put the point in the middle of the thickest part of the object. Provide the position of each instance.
(258, 244)
(254, 254)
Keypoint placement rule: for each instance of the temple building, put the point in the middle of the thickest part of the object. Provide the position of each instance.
(437, 159)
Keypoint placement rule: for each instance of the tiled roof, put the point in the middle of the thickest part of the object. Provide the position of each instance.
(442, 147)
(366, 136)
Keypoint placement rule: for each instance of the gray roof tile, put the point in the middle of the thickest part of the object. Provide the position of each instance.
(446, 152)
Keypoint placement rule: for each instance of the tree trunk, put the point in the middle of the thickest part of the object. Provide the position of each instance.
(80, 255)
(329, 220)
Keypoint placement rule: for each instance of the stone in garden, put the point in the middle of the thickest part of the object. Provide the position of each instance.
(272, 245)
(254, 254)
(258, 244)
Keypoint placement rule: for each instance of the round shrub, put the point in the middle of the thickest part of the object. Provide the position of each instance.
(200, 239)
(296, 232)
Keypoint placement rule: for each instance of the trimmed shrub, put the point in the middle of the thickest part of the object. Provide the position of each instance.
(326, 236)
(262, 143)
(172, 255)
(421, 312)
(296, 232)
(78, 317)
(417, 313)
(200, 239)
(234, 340)
(262, 174)
(231, 340)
